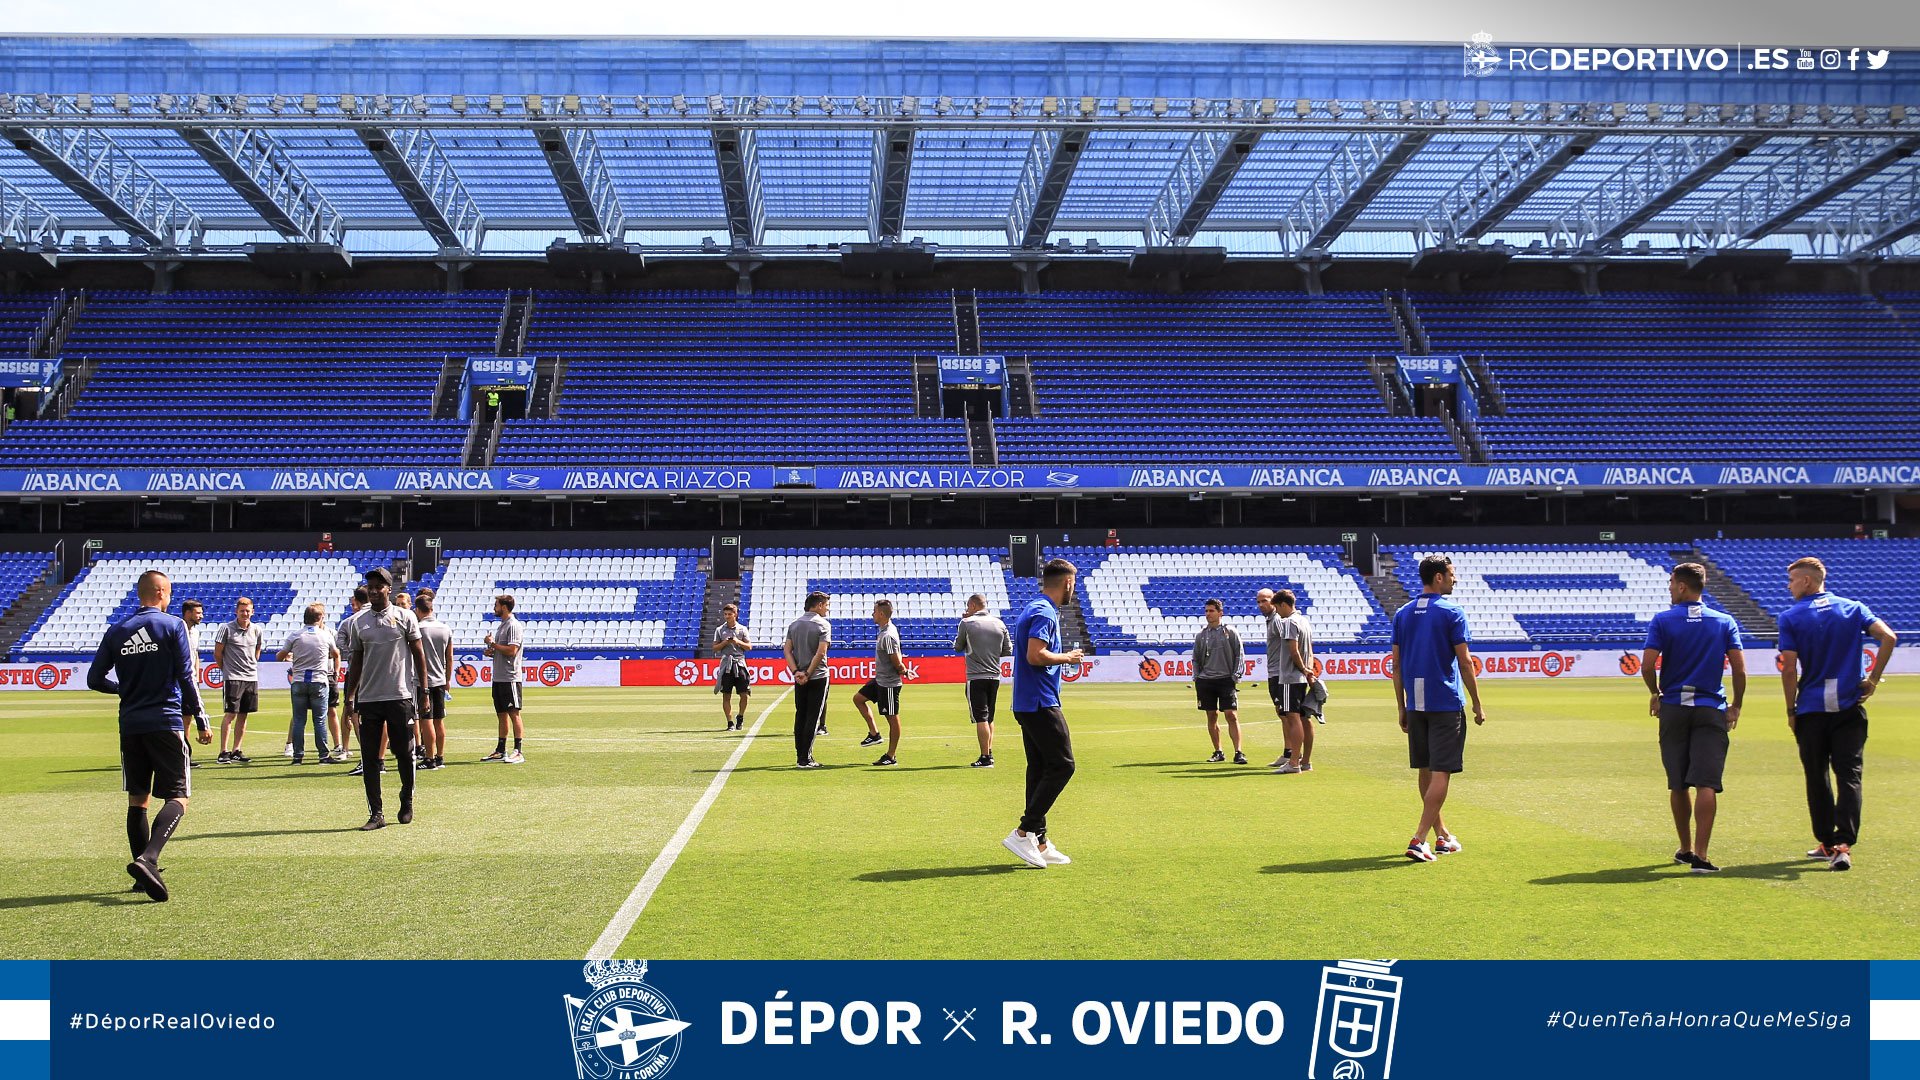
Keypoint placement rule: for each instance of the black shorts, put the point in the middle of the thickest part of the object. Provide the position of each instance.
(1693, 746)
(240, 697)
(333, 692)
(736, 681)
(885, 698)
(1216, 694)
(506, 697)
(983, 700)
(155, 763)
(1288, 697)
(396, 715)
(1436, 740)
(436, 703)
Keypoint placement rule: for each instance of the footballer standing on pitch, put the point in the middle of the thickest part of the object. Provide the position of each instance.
(1036, 705)
(1430, 662)
(1688, 645)
(805, 648)
(1217, 657)
(436, 643)
(983, 639)
(236, 649)
(152, 671)
(731, 642)
(505, 646)
(382, 692)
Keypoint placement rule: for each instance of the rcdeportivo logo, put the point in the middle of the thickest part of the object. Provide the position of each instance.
(1482, 59)
(625, 1029)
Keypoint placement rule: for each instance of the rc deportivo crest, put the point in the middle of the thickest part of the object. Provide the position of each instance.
(1482, 58)
(625, 1029)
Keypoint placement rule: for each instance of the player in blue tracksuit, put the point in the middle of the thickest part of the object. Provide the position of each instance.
(1821, 664)
(146, 661)
(1431, 663)
(1690, 649)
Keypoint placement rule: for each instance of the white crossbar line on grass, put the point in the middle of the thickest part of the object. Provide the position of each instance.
(629, 912)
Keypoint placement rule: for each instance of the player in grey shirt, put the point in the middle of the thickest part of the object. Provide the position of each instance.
(1217, 658)
(889, 673)
(236, 649)
(983, 639)
(436, 645)
(805, 649)
(382, 691)
(730, 643)
(343, 640)
(309, 654)
(504, 646)
(1290, 673)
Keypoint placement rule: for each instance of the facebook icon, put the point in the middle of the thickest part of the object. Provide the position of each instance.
(1353, 1025)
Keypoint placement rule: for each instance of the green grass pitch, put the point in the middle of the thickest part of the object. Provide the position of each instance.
(1562, 811)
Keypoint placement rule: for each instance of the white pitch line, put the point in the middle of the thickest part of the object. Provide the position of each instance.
(636, 902)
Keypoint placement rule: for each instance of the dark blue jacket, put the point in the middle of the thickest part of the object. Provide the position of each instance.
(148, 652)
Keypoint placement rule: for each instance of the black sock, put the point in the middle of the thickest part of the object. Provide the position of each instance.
(136, 830)
(500, 746)
(516, 744)
(163, 825)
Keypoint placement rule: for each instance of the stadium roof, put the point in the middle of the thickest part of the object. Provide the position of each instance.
(498, 147)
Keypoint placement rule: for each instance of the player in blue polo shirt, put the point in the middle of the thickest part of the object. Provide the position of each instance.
(1689, 645)
(1821, 661)
(146, 661)
(1430, 664)
(1036, 705)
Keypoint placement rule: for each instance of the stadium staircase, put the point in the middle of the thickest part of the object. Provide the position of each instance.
(981, 447)
(1493, 400)
(1755, 623)
(550, 374)
(446, 392)
(70, 389)
(1393, 389)
(516, 318)
(51, 336)
(718, 595)
(1465, 439)
(966, 323)
(1022, 400)
(926, 387)
(25, 612)
(1385, 584)
(1073, 624)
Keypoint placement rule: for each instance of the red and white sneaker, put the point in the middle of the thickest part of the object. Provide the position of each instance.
(1418, 851)
(1447, 845)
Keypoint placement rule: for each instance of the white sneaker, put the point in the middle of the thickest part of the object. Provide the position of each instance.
(515, 757)
(1026, 847)
(1420, 852)
(288, 752)
(1448, 845)
(1287, 769)
(1054, 856)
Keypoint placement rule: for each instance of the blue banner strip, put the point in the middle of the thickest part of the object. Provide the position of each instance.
(697, 479)
(24, 980)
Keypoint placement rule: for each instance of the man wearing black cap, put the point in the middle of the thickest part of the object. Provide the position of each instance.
(384, 690)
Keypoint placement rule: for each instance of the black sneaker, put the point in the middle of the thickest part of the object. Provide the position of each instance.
(1702, 866)
(376, 820)
(224, 757)
(809, 764)
(299, 761)
(822, 730)
(359, 769)
(870, 739)
(1684, 858)
(886, 759)
(1239, 758)
(147, 877)
(239, 758)
(985, 761)
(439, 761)
(406, 813)
(740, 722)
(1217, 757)
(193, 764)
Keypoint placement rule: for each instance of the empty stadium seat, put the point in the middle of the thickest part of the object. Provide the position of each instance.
(1880, 573)
(576, 602)
(1551, 594)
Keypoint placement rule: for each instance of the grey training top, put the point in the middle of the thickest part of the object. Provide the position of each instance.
(805, 635)
(242, 656)
(727, 644)
(381, 653)
(1217, 652)
(309, 654)
(1280, 665)
(983, 640)
(886, 647)
(508, 633)
(435, 636)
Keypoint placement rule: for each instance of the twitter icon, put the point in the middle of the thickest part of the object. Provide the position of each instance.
(1876, 59)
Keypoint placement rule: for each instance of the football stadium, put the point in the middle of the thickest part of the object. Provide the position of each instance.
(852, 498)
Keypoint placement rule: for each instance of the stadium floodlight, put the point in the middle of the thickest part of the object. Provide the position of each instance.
(202, 104)
(1653, 111)
(1123, 106)
(570, 103)
(1159, 107)
(122, 103)
(420, 104)
(347, 102)
(827, 106)
(380, 104)
(238, 105)
(1694, 109)
(716, 105)
(1442, 109)
(1481, 110)
(640, 105)
(83, 102)
(1196, 107)
(1302, 107)
(497, 103)
(1369, 110)
(680, 104)
(310, 103)
(942, 105)
(1335, 110)
(980, 106)
(1088, 107)
(606, 105)
(1897, 113)
(1049, 106)
(535, 104)
(1268, 107)
(1515, 110)
(458, 103)
(1408, 110)
(909, 105)
(1728, 110)
(863, 105)
(795, 104)
(1859, 114)
(1619, 111)
(277, 104)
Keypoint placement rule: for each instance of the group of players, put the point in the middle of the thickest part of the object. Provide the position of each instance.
(398, 659)
(397, 667)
